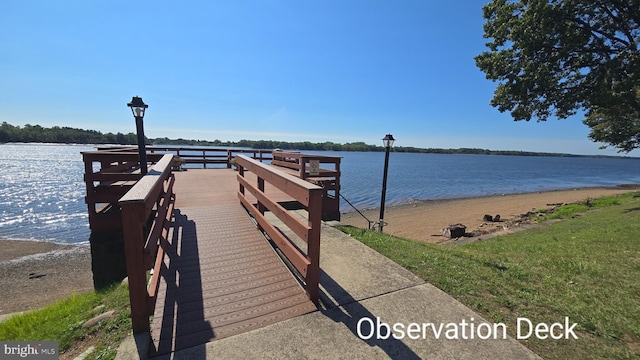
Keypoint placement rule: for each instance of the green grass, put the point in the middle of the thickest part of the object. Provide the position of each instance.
(571, 210)
(62, 322)
(586, 268)
(567, 211)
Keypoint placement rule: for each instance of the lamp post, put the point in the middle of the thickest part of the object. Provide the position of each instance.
(138, 108)
(388, 143)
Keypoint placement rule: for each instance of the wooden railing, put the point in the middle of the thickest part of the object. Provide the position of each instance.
(108, 175)
(313, 168)
(307, 194)
(112, 171)
(198, 155)
(150, 200)
(211, 156)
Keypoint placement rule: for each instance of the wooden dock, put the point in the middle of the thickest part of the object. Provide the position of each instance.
(220, 275)
(202, 258)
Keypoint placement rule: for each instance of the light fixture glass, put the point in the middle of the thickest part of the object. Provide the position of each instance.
(388, 141)
(137, 106)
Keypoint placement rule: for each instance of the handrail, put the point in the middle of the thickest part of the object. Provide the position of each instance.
(110, 172)
(309, 195)
(151, 197)
(359, 212)
(108, 175)
(206, 156)
(308, 167)
(195, 155)
(302, 163)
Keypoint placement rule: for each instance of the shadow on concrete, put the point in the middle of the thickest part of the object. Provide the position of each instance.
(349, 311)
(182, 322)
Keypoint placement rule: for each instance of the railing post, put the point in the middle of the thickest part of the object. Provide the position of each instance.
(313, 245)
(132, 220)
(303, 168)
(241, 173)
(89, 185)
(261, 207)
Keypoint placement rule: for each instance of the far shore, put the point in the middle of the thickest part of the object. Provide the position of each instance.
(425, 220)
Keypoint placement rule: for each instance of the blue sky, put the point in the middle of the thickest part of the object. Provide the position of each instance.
(341, 71)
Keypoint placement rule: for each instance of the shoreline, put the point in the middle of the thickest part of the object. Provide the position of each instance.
(35, 273)
(424, 220)
(630, 187)
(14, 249)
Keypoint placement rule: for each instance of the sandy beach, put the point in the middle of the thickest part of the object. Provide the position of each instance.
(425, 220)
(34, 274)
(37, 273)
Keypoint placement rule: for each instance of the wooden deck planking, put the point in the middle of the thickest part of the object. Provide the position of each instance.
(221, 277)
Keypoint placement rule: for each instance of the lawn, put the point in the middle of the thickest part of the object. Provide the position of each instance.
(586, 267)
(62, 322)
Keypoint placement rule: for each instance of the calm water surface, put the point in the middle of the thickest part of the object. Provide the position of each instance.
(42, 191)
(441, 176)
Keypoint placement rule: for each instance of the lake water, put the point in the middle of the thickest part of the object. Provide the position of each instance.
(42, 191)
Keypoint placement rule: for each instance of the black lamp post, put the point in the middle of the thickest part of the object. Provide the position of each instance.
(388, 143)
(137, 108)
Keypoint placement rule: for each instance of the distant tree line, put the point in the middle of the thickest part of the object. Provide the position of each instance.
(67, 135)
(271, 144)
(62, 135)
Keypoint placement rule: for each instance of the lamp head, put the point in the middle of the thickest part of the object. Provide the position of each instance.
(388, 141)
(137, 106)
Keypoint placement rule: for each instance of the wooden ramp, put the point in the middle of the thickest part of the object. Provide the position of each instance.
(220, 276)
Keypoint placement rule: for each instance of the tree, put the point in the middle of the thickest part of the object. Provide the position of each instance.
(558, 58)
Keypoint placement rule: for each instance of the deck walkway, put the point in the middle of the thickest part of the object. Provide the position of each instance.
(221, 277)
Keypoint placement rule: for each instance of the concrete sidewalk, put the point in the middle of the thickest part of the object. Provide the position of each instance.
(357, 285)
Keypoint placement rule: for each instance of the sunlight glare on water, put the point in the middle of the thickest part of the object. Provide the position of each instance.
(42, 193)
